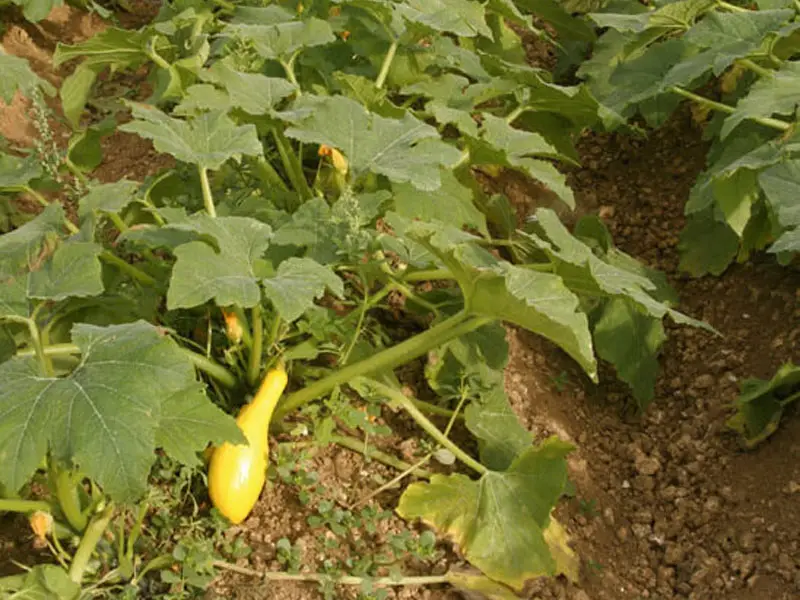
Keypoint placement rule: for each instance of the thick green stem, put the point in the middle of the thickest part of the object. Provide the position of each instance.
(390, 358)
(288, 67)
(408, 405)
(730, 7)
(438, 411)
(118, 222)
(128, 269)
(387, 459)
(12, 583)
(429, 275)
(211, 368)
(36, 341)
(225, 5)
(68, 499)
(755, 67)
(208, 199)
(343, 580)
(766, 121)
(152, 54)
(88, 543)
(23, 506)
(514, 114)
(387, 64)
(292, 165)
(136, 530)
(267, 174)
(207, 365)
(44, 202)
(254, 365)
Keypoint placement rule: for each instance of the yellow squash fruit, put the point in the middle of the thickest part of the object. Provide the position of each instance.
(236, 473)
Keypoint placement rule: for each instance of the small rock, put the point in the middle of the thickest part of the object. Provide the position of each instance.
(647, 465)
(704, 382)
(608, 516)
(743, 564)
(641, 531)
(674, 554)
(712, 504)
(666, 574)
(792, 488)
(747, 541)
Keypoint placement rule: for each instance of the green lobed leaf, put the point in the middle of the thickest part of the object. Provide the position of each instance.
(500, 434)
(47, 582)
(103, 416)
(735, 196)
(707, 245)
(586, 272)
(679, 15)
(502, 144)
(643, 77)
(460, 17)
(16, 172)
(74, 270)
(452, 203)
(207, 140)
(280, 41)
(788, 242)
(202, 97)
(224, 271)
(297, 283)
(18, 76)
(404, 150)
(189, 422)
(760, 404)
(22, 247)
(778, 94)
(76, 89)
(630, 340)
(539, 302)
(781, 186)
(114, 47)
(499, 521)
(254, 93)
(110, 198)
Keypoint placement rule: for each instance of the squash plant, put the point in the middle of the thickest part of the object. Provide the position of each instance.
(738, 67)
(324, 159)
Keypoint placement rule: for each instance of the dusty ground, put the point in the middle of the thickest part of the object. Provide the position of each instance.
(667, 506)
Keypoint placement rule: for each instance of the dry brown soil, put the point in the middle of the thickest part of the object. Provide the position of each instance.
(668, 506)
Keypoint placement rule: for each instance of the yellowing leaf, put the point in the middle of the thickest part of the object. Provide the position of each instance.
(499, 522)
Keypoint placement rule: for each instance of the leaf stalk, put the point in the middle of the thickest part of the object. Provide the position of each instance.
(410, 407)
(343, 580)
(254, 365)
(386, 65)
(211, 368)
(91, 537)
(23, 506)
(387, 459)
(392, 357)
(208, 199)
(64, 485)
(766, 121)
(128, 269)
